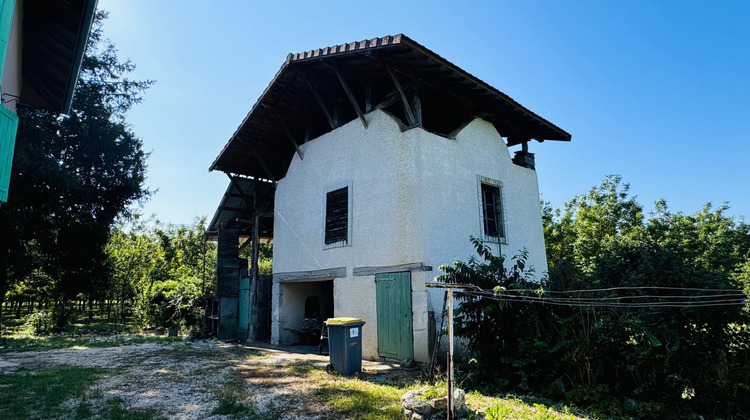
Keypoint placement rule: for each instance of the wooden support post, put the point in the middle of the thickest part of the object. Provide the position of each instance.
(320, 102)
(254, 278)
(450, 354)
(407, 108)
(337, 113)
(417, 109)
(248, 200)
(290, 136)
(262, 163)
(351, 97)
(368, 98)
(449, 370)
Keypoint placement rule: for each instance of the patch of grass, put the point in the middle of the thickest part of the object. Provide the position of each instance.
(306, 370)
(232, 397)
(439, 390)
(38, 395)
(235, 409)
(527, 408)
(357, 399)
(114, 409)
(35, 343)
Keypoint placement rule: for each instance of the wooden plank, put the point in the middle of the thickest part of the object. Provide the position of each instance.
(290, 137)
(371, 271)
(352, 99)
(407, 108)
(320, 102)
(394, 315)
(246, 198)
(262, 163)
(311, 275)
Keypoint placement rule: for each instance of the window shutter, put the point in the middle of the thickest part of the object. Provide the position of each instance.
(8, 120)
(337, 216)
(8, 127)
(492, 211)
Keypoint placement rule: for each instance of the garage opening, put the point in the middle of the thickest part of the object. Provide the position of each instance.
(306, 305)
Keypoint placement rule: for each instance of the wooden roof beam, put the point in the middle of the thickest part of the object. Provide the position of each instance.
(247, 199)
(261, 162)
(407, 107)
(351, 97)
(290, 137)
(320, 102)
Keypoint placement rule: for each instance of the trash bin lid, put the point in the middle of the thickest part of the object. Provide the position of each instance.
(342, 320)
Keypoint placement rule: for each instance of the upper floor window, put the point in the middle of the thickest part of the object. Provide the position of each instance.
(493, 226)
(337, 217)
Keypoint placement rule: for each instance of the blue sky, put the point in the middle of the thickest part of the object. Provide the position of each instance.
(658, 92)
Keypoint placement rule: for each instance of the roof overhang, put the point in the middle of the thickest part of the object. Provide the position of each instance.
(243, 200)
(55, 34)
(317, 91)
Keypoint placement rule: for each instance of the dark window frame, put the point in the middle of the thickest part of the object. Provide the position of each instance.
(337, 221)
(492, 210)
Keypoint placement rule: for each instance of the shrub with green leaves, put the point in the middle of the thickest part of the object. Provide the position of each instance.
(665, 360)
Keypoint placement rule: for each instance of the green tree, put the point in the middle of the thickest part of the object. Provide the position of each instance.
(676, 358)
(161, 273)
(72, 176)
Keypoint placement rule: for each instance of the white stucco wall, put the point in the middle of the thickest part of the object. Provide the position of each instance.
(414, 200)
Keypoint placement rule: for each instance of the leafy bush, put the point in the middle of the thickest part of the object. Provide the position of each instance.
(671, 360)
(40, 323)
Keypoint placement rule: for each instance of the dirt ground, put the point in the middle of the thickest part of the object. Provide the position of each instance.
(180, 380)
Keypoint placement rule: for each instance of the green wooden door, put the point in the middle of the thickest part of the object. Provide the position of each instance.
(394, 315)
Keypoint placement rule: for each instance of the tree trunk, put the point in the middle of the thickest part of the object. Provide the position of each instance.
(91, 309)
(3, 292)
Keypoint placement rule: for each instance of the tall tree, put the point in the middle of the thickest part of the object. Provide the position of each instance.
(72, 175)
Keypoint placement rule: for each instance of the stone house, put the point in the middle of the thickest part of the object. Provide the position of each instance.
(370, 164)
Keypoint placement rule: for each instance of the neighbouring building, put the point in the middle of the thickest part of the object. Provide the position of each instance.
(370, 164)
(41, 49)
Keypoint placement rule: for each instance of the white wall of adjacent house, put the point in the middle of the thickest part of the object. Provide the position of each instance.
(11, 76)
(414, 199)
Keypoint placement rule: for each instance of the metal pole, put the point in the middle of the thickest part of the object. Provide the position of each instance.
(450, 354)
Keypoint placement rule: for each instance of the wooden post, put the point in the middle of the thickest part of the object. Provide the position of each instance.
(254, 278)
(449, 370)
(450, 354)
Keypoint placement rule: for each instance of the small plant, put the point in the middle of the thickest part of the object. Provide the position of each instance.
(40, 323)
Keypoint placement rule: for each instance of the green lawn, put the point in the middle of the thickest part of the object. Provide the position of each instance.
(245, 383)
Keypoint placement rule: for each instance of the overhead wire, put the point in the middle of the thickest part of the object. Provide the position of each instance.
(735, 298)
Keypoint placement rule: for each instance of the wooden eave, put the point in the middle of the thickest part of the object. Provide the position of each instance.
(242, 201)
(288, 108)
(55, 34)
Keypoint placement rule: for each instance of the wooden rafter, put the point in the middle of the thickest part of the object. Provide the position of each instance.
(290, 137)
(320, 102)
(453, 95)
(407, 107)
(248, 200)
(262, 163)
(349, 94)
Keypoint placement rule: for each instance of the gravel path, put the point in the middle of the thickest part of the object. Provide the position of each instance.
(180, 380)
